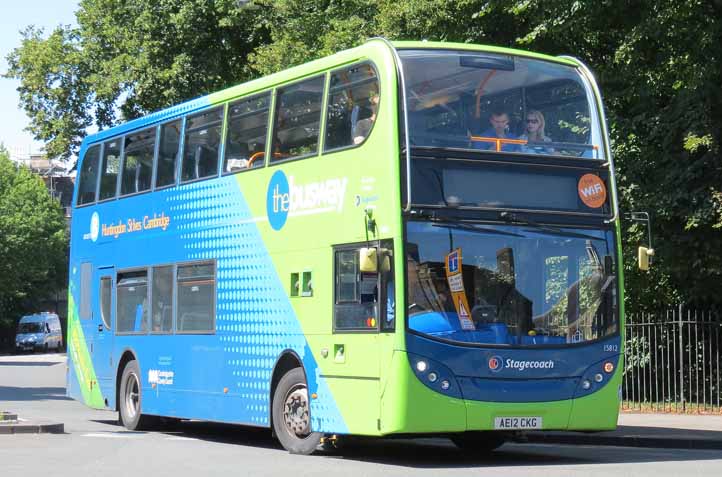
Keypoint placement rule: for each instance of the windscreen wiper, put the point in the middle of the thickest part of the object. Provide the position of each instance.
(512, 218)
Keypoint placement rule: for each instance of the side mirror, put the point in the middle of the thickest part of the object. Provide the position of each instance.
(643, 255)
(368, 260)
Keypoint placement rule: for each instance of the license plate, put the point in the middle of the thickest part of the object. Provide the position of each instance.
(516, 423)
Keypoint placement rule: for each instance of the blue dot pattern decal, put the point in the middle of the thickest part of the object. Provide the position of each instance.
(255, 320)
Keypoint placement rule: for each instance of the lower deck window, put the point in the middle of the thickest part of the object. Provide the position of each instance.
(196, 291)
(162, 293)
(132, 296)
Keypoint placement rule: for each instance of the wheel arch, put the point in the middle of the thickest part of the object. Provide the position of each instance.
(127, 355)
(285, 362)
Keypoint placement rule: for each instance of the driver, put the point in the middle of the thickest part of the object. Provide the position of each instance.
(499, 122)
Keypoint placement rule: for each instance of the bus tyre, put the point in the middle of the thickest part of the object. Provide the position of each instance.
(130, 399)
(292, 414)
(478, 442)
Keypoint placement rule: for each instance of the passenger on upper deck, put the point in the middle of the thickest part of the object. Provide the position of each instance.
(499, 129)
(362, 128)
(534, 134)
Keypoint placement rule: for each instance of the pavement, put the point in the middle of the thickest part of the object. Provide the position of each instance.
(672, 431)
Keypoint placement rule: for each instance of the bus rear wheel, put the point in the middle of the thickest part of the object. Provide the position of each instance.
(130, 399)
(292, 414)
(479, 442)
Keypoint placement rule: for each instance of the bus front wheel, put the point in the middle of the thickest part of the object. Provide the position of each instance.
(292, 414)
(131, 399)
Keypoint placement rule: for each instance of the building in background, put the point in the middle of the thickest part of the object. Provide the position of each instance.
(56, 174)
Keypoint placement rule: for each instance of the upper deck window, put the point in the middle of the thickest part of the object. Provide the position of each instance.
(168, 152)
(109, 169)
(138, 162)
(202, 144)
(353, 101)
(498, 103)
(298, 119)
(246, 136)
(89, 176)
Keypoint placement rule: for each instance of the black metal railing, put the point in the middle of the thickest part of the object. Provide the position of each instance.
(673, 361)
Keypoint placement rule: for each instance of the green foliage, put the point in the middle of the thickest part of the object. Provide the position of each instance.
(657, 61)
(33, 241)
(128, 58)
(306, 30)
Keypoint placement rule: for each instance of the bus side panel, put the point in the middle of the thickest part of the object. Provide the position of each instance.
(231, 220)
(223, 375)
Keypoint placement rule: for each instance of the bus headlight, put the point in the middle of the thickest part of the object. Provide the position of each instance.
(586, 384)
(434, 375)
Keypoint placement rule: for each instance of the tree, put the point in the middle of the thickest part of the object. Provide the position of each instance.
(657, 61)
(127, 58)
(33, 241)
(306, 30)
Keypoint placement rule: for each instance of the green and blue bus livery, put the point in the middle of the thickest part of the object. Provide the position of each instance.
(412, 238)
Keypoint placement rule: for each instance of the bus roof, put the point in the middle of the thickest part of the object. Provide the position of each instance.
(297, 72)
(438, 45)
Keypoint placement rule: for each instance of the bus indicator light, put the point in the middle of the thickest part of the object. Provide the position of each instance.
(608, 367)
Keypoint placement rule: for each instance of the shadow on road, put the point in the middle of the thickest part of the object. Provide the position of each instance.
(11, 393)
(433, 453)
(440, 453)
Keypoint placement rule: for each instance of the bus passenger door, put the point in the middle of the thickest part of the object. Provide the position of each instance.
(103, 327)
(354, 373)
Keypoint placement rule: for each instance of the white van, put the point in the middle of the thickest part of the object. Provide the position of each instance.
(39, 332)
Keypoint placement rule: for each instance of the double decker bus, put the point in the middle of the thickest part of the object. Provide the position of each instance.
(408, 238)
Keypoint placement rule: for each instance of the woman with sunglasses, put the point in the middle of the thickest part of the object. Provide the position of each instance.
(534, 134)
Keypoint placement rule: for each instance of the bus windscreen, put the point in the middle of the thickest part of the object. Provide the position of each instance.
(498, 103)
(510, 286)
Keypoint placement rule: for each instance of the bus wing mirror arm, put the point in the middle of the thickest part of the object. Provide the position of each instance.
(644, 254)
